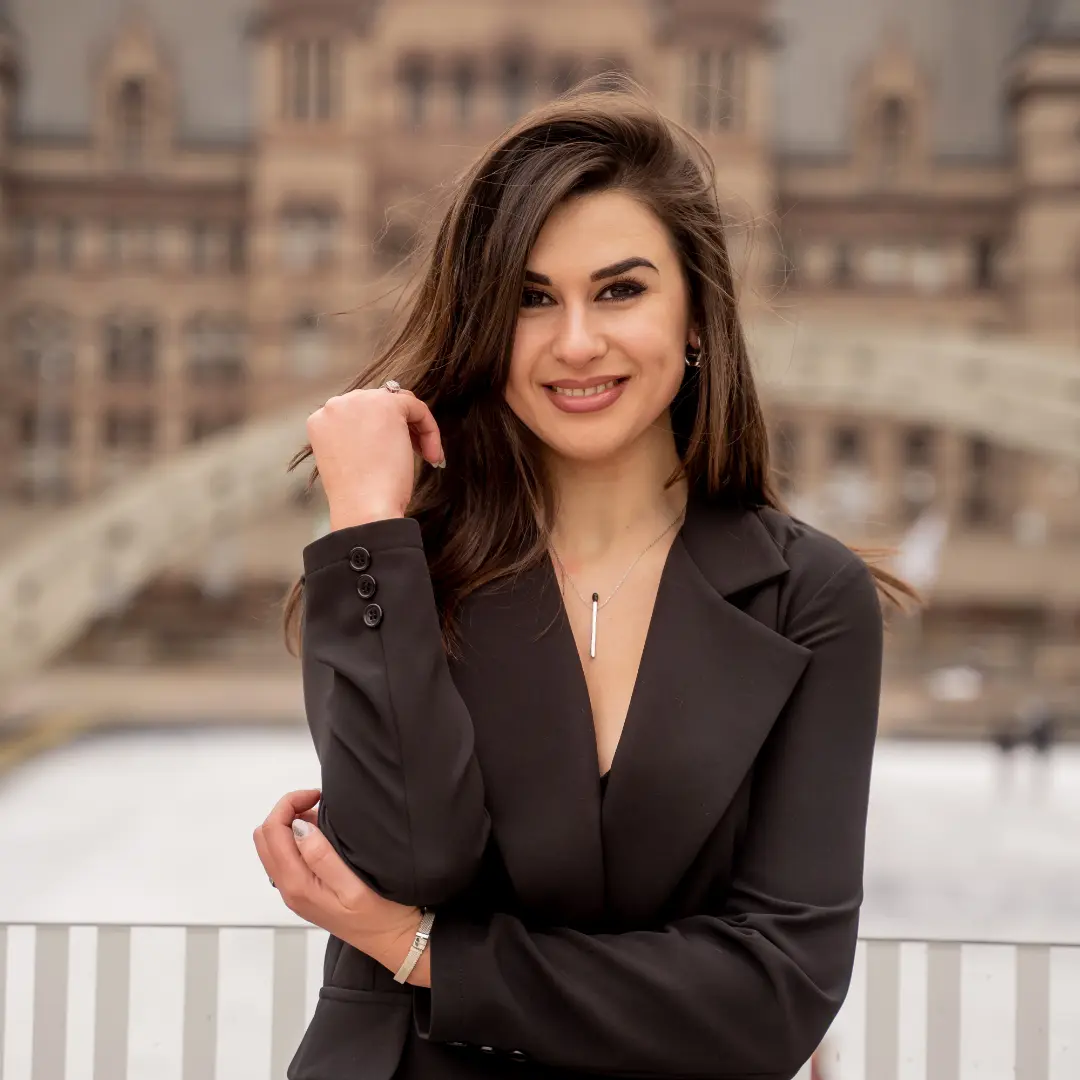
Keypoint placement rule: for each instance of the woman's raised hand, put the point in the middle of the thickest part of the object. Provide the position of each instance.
(365, 444)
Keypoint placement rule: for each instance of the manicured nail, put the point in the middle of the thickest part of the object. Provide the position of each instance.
(441, 463)
(301, 828)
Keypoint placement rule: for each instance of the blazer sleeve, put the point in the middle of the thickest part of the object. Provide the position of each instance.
(747, 990)
(402, 796)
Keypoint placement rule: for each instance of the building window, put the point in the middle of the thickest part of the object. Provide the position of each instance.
(129, 429)
(140, 245)
(26, 243)
(114, 244)
(309, 347)
(919, 447)
(464, 83)
(131, 115)
(983, 263)
(203, 425)
(66, 238)
(515, 86)
(893, 133)
(978, 505)
(45, 427)
(847, 446)
(237, 248)
(714, 90)
(415, 88)
(199, 247)
(843, 275)
(43, 345)
(215, 347)
(130, 347)
(308, 237)
(565, 74)
(311, 78)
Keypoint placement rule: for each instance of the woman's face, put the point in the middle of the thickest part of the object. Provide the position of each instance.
(605, 306)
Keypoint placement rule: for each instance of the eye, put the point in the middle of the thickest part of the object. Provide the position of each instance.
(626, 289)
(532, 298)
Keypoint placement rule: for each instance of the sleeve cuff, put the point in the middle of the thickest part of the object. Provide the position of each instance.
(374, 535)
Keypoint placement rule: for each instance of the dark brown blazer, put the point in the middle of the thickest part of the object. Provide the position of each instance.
(697, 920)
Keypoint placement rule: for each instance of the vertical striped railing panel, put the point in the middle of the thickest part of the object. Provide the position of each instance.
(290, 1006)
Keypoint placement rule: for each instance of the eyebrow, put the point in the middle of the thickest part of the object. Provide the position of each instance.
(598, 275)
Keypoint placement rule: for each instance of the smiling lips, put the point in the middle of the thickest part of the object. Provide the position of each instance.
(589, 395)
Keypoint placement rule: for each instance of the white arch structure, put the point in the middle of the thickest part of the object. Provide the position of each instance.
(96, 555)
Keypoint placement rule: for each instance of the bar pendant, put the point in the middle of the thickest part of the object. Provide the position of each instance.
(592, 641)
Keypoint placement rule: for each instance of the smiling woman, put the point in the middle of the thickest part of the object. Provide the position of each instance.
(594, 715)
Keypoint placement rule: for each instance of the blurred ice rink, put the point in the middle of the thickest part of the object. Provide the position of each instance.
(156, 828)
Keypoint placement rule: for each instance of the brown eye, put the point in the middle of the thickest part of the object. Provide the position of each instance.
(533, 298)
(622, 290)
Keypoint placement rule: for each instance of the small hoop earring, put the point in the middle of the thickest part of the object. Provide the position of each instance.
(693, 357)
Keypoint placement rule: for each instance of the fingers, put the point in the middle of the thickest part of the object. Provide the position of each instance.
(330, 868)
(422, 426)
(276, 845)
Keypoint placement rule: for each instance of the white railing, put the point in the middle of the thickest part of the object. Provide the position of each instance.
(200, 1002)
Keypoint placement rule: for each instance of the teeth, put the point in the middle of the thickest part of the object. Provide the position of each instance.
(588, 392)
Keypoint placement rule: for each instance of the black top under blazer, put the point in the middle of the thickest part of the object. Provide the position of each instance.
(697, 919)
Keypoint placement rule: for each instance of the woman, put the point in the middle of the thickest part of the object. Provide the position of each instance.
(582, 694)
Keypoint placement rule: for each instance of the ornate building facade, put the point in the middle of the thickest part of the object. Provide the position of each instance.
(204, 208)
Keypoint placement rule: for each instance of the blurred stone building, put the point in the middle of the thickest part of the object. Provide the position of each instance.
(204, 207)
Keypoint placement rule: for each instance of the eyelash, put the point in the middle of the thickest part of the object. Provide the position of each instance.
(637, 288)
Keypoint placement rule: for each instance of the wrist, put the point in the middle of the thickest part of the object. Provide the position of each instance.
(348, 515)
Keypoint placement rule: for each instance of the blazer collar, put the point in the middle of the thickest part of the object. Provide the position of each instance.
(711, 683)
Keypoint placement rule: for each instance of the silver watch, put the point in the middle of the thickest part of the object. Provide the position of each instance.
(419, 944)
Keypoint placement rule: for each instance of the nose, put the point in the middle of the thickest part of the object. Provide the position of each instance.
(577, 342)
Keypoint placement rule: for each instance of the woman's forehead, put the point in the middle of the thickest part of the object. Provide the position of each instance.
(596, 230)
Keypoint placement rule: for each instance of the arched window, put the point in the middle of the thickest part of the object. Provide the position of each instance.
(131, 121)
(565, 74)
(893, 131)
(43, 345)
(130, 348)
(308, 236)
(415, 79)
(463, 78)
(715, 90)
(309, 346)
(214, 346)
(311, 80)
(515, 85)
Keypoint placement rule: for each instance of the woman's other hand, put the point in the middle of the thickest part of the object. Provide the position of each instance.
(317, 884)
(364, 444)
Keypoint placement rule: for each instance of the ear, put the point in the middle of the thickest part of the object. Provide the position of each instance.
(694, 338)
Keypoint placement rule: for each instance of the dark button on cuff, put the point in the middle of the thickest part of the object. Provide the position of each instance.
(359, 558)
(372, 615)
(366, 586)
(457, 1044)
(487, 1049)
(519, 1055)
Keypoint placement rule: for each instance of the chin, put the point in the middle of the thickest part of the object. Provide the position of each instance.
(587, 447)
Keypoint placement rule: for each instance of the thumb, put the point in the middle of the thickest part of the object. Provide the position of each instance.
(323, 861)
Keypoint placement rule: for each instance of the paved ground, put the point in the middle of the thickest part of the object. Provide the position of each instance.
(155, 826)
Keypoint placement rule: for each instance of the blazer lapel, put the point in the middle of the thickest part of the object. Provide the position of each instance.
(711, 683)
(521, 679)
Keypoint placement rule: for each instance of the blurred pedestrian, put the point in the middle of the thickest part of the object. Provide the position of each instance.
(595, 716)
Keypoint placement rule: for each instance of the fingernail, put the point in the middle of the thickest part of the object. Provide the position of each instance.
(301, 828)
(441, 463)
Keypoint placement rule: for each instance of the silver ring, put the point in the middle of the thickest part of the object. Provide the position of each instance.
(392, 385)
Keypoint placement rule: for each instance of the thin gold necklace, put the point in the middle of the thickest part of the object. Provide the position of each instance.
(597, 606)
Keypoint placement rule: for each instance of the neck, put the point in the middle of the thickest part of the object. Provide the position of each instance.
(606, 508)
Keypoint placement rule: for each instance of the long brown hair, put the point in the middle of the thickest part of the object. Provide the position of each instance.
(483, 518)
